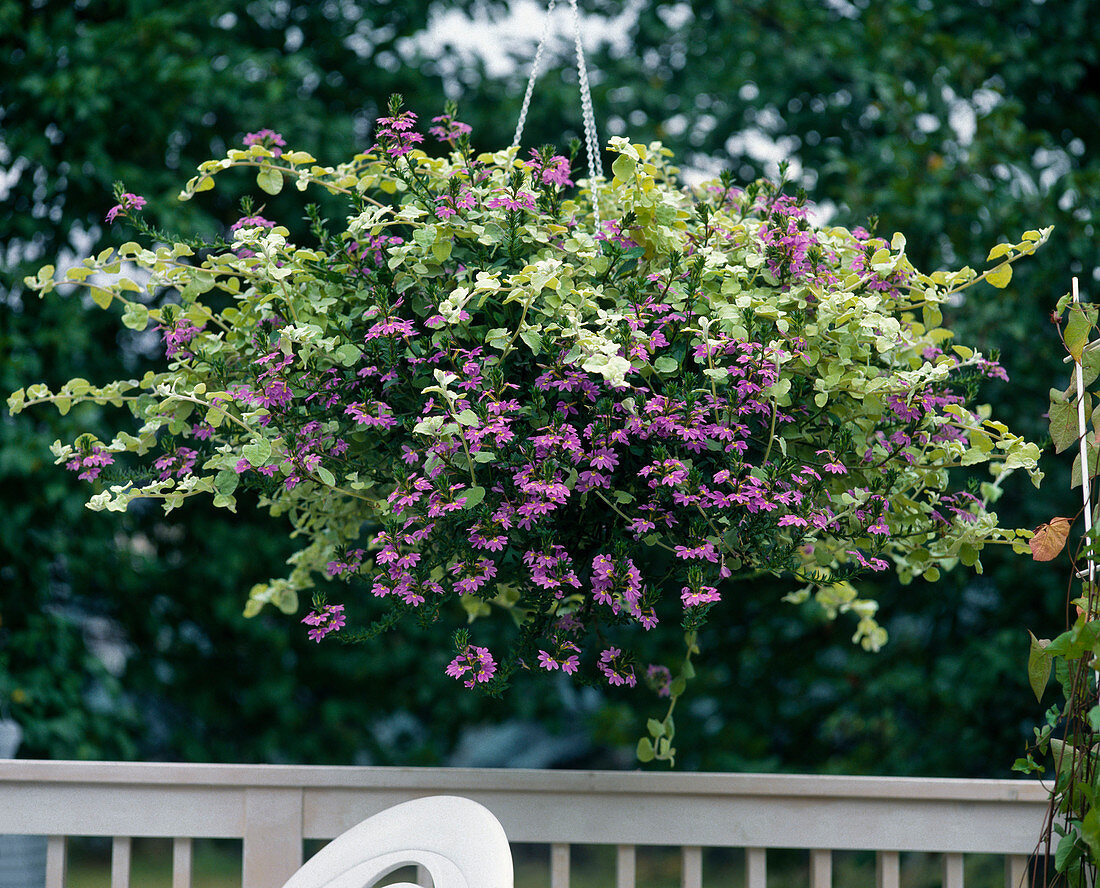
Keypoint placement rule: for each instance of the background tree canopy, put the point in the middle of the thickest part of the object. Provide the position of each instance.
(960, 124)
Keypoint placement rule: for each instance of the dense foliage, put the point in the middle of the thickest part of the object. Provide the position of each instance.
(468, 393)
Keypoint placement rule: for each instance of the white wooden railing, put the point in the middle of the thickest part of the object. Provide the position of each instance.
(274, 808)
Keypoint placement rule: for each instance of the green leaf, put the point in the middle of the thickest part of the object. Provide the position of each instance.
(931, 315)
(1063, 420)
(1090, 362)
(1090, 831)
(666, 365)
(348, 354)
(1000, 276)
(1068, 850)
(1039, 663)
(226, 481)
(136, 316)
(102, 297)
(532, 339)
(473, 496)
(441, 250)
(1092, 452)
(425, 236)
(645, 750)
(998, 251)
(1076, 642)
(327, 478)
(270, 180)
(467, 417)
(258, 452)
(655, 728)
(623, 167)
(1078, 328)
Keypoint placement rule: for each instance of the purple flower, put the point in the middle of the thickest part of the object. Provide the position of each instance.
(127, 202)
(90, 464)
(660, 679)
(521, 200)
(448, 129)
(702, 595)
(616, 672)
(268, 139)
(251, 222)
(553, 171)
(325, 619)
(477, 661)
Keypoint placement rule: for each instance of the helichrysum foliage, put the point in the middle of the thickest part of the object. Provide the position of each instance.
(466, 399)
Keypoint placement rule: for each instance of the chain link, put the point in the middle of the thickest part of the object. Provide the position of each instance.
(534, 75)
(588, 115)
(592, 142)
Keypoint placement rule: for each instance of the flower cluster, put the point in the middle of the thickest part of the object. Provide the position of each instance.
(470, 402)
(473, 664)
(90, 463)
(325, 619)
(127, 202)
(267, 138)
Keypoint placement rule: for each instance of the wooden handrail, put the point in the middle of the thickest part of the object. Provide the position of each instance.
(274, 807)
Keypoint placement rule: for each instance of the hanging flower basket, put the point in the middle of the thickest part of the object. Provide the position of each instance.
(470, 403)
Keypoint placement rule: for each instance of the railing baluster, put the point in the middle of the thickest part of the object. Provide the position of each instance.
(691, 871)
(625, 866)
(888, 869)
(821, 868)
(559, 866)
(1016, 872)
(272, 848)
(181, 862)
(120, 862)
(55, 862)
(952, 871)
(756, 868)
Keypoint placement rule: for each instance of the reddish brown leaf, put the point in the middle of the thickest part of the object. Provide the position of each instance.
(1049, 539)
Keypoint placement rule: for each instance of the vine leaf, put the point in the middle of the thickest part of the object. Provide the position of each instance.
(1049, 539)
(1064, 431)
(1039, 662)
(1078, 328)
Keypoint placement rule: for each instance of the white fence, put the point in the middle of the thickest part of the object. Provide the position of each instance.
(274, 808)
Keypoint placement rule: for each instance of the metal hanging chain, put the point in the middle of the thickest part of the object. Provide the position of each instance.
(592, 141)
(588, 115)
(534, 75)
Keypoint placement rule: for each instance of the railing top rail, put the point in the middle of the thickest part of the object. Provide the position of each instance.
(523, 781)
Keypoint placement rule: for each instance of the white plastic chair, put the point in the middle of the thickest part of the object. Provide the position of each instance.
(459, 842)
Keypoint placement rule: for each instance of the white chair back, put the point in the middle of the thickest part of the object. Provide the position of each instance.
(459, 842)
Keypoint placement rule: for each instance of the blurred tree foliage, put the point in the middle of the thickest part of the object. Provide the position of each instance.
(959, 123)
